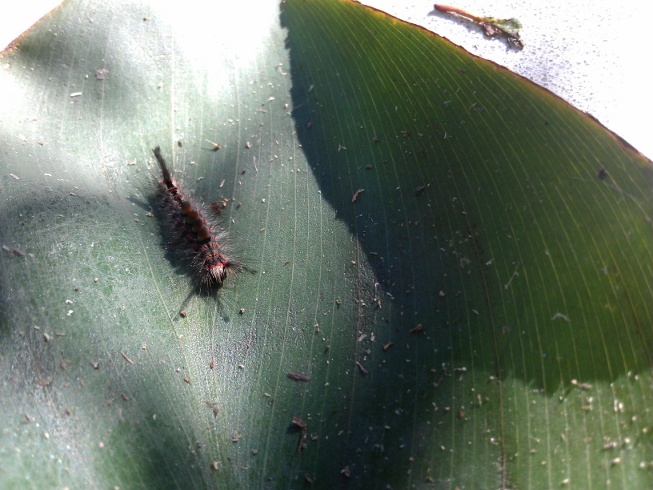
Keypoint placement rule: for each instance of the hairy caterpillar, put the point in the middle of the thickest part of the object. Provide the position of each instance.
(191, 235)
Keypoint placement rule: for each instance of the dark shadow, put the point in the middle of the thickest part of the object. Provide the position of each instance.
(424, 226)
(390, 154)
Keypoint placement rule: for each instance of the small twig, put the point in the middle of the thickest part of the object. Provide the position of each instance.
(508, 28)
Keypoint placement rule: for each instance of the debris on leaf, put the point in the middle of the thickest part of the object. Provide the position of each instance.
(417, 328)
(126, 357)
(298, 377)
(361, 368)
(215, 409)
(216, 146)
(302, 426)
(508, 28)
(298, 422)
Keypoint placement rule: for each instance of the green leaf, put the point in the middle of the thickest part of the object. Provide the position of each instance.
(510, 26)
(479, 317)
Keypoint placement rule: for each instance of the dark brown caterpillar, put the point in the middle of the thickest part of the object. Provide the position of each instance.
(190, 233)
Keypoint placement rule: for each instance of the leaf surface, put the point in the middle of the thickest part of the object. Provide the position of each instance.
(458, 260)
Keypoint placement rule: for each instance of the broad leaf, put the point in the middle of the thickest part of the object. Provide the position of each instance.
(458, 260)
